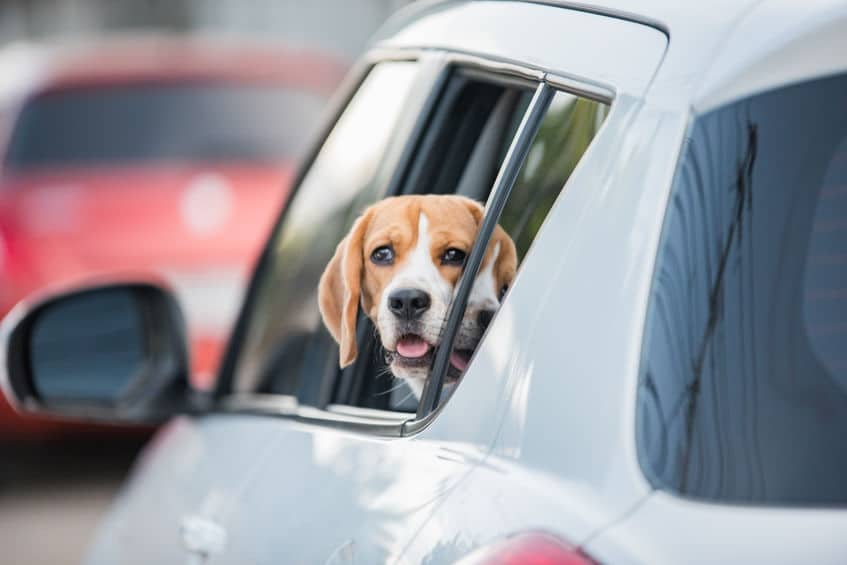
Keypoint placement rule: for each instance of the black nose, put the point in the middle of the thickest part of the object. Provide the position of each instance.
(408, 303)
(484, 318)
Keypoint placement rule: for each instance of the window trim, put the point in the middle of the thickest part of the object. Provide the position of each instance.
(375, 422)
(437, 64)
(493, 67)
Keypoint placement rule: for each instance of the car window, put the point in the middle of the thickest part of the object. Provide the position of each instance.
(743, 391)
(290, 350)
(285, 337)
(460, 150)
(182, 121)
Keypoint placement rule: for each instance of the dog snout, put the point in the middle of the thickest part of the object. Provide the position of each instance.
(409, 303)
(484, 318)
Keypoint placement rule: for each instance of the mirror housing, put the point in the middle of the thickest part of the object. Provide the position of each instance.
(109, 352)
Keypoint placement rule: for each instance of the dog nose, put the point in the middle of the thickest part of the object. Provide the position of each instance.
(408, 303)
(484, 318)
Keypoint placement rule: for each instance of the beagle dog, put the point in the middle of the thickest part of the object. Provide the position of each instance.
(401, 263)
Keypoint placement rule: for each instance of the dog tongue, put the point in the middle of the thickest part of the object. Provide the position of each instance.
(412, 347)
(459, 361)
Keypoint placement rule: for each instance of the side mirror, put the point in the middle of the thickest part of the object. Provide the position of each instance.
(114, 352)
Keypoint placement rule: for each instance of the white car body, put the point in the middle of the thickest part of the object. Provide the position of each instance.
(540, 434)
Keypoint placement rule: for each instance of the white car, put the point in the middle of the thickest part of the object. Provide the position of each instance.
(665, 381)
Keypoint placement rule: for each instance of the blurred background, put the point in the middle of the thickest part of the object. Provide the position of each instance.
(145, 136)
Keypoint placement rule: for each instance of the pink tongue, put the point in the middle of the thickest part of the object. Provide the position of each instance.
(458, 361)
(412, 347)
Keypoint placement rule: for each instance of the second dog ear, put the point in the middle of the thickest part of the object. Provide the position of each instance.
(476, 209)
(507, 260)
(339, 290)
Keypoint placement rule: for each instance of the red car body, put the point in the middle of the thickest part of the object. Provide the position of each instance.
(165, 156)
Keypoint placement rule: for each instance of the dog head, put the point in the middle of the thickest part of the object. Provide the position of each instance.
(401, 262)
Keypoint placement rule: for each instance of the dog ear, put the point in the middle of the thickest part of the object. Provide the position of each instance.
(507, 260)
(340, 289)
(477, 210)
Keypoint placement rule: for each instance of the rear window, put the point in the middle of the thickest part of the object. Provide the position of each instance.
(743, 392)
(204, 121)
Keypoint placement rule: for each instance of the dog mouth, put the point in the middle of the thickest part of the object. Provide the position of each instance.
(411, 350)
(459, 359)
(413, 346)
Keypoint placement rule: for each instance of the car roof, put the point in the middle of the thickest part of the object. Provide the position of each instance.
(161, 57)
(718, 50)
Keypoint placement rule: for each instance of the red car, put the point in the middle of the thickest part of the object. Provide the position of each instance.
(162, 155)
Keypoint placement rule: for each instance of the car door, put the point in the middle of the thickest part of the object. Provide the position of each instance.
(301, 462)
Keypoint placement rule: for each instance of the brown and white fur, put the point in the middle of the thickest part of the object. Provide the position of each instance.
(401, 263)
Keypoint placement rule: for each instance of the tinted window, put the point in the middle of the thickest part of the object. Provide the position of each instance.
(743, 394)
(168, 121)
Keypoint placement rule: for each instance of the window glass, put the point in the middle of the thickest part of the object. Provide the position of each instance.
(169, 121)
(566, 131)
(825, 273)
(285, 337)
(743, 393)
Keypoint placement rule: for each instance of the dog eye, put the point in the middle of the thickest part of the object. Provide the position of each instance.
(453, 256)
(503, 290)
(383, 255)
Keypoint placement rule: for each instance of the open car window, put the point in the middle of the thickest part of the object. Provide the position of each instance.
(466, 137)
